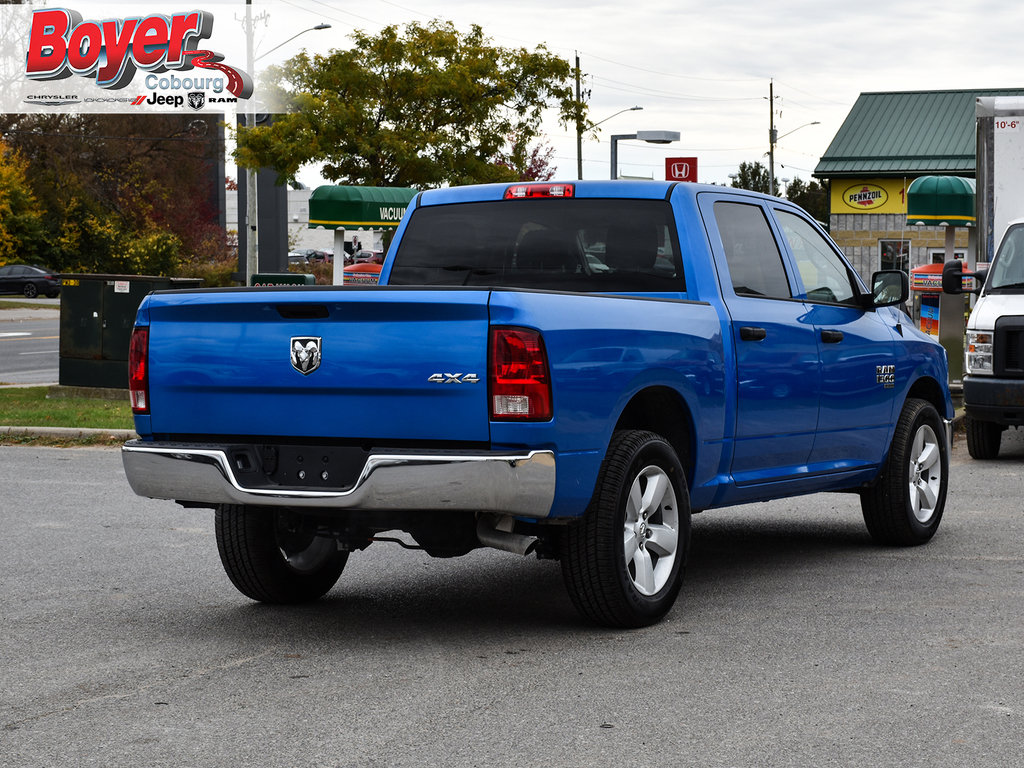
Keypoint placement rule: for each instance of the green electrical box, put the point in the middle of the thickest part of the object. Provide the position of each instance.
(97, 314)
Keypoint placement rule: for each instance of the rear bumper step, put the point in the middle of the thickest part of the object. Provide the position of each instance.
(513, 484)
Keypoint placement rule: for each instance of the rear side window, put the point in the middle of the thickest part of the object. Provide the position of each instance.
(592, 246)
(753, 256)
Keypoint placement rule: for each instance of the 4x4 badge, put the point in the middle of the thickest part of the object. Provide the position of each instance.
(305, 353)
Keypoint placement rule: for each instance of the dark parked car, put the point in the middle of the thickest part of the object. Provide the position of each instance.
(30, 281)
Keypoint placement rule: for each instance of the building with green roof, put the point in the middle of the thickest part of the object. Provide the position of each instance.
(887, 141)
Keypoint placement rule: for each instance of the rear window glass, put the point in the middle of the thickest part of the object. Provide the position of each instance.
(592, 246)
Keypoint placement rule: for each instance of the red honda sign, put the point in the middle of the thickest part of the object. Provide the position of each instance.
(681, 169)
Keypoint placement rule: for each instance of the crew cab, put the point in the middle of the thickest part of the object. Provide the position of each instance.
(565, 369)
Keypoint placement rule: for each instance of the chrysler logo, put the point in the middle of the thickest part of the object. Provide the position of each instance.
(305, 353)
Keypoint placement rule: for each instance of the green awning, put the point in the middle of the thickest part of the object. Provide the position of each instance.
(941, 201)
(336, 207)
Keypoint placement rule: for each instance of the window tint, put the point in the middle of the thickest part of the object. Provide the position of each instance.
(824, 275)
(570, 244)
(755, 263)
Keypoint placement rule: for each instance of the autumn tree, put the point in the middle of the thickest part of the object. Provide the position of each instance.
(532, 165)
(123, 193)
(417, 107)
(21, 217)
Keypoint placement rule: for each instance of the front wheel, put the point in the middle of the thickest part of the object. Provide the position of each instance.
(905, 504)
(623, 562)
(983, 438)
(30, 290)
(272, 562)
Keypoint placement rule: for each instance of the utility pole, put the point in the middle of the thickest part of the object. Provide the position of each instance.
(772, 137)
(251, 204)
(579, 123)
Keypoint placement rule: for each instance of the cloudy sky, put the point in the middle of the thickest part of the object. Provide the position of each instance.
(700, 68)
(704, 68)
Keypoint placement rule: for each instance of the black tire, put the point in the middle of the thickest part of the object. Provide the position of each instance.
(605, 584)
(270, 564)
(905, 505)
(983, 438)
(30, 290)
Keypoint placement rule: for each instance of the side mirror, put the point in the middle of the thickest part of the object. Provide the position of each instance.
(889, 287)
(953, 275)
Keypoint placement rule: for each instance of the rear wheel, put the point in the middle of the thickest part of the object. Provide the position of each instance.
(905, 505)
(30, 290)
(983, 438)
(623, 562)
(271, 562)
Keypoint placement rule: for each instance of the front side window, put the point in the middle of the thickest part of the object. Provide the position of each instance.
(1008, 267)
(755, 263)
(824, 274)
(579, 244)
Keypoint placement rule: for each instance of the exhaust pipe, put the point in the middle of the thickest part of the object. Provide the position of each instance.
(496, 531)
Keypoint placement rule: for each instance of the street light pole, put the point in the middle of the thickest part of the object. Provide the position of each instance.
(249, 119)
(579, 129)
(773, 138)
(251, 211)
(311, 29)
(651, 137)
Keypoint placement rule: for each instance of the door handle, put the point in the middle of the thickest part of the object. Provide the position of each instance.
(750, 333)
(831, 337)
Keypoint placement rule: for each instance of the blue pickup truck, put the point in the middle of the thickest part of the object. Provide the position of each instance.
(569, 370)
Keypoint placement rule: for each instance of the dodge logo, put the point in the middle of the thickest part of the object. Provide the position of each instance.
(305, 353)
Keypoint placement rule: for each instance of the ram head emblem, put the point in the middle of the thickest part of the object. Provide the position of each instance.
(305, 354)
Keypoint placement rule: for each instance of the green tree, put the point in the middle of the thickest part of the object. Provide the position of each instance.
(22, 236)
(414, 108)
(753, 176)
(811, 196)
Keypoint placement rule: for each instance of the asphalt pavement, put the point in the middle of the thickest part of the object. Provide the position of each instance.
(796, 643)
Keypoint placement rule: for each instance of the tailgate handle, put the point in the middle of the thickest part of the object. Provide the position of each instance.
(749, 333)
(302, 311)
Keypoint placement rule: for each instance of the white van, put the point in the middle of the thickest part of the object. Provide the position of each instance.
(994, 348)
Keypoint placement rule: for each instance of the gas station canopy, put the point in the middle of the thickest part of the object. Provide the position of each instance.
(944, 201)
(338, 207)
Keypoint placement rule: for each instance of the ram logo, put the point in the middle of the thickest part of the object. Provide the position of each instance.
(305, 354)
(454, 378)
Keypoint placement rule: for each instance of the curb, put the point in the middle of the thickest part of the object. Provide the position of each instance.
(70, 432)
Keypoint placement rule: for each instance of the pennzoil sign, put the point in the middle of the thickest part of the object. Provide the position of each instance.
(865, 197)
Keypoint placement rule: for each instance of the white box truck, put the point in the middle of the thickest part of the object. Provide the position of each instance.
(993, 382)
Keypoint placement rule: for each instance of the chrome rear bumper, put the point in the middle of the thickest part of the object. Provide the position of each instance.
(513, 484)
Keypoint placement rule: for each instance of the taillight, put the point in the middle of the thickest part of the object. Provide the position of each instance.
(520, 384)
(525, 191)
(138, 370)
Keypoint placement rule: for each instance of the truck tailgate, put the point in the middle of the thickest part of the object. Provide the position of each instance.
(392, 363)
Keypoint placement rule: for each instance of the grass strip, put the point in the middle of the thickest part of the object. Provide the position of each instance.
(30, 407)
